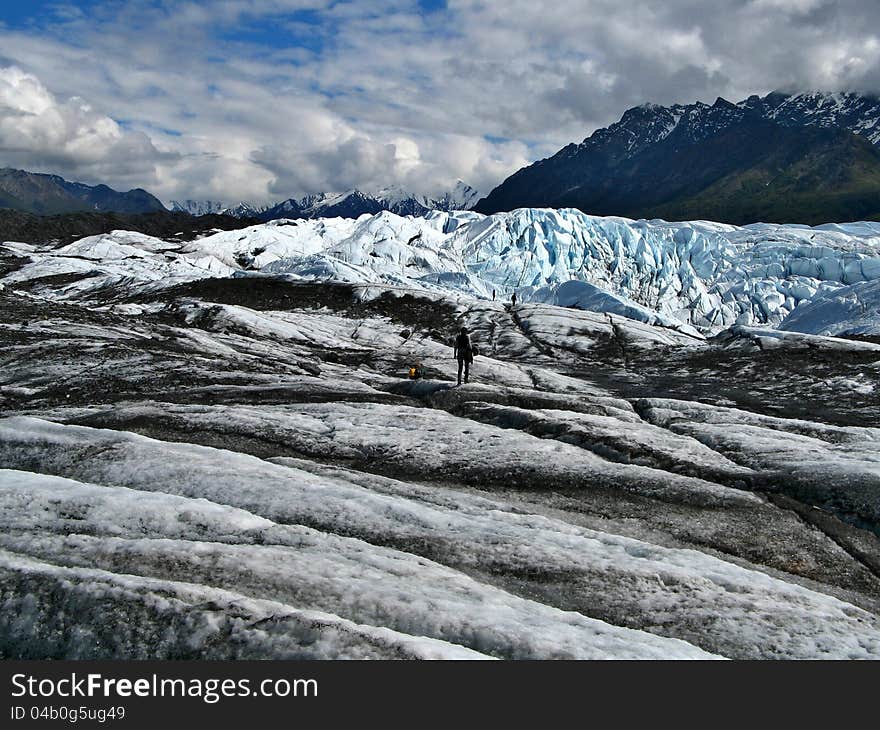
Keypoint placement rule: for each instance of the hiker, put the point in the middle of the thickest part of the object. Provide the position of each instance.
(416, 372)
(463, 351)
(493, 295)
(513, 299)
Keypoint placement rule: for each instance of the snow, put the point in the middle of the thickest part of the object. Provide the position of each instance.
(240, 468)
(48, 604)
(581, 295)
(128, 530)
(460, 197)
(197, 207)
(830, 465)
(851, 310)
(118, 257)
(767, 339)
(263, 244)
(113, 246)
(856, 112)
(262, 509)
(692, 276)
(413, 440)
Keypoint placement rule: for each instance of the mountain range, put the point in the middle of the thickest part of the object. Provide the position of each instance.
(50, 195)
(349, 204)
(46, 195)
(809, 158)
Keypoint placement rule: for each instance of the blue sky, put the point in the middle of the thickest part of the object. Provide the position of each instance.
(265, 99)
(33, 12)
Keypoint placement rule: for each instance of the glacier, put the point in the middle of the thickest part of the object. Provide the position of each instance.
(211, 449)
(697, 276)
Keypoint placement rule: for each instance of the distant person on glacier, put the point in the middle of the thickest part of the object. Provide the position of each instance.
(513, 299)
(463, 351)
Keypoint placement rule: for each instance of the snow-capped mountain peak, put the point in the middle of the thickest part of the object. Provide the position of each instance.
(208, 207)
(197, 207)
(347, 204)
(650, 123)
(395, 194)
(714, 161)
(859, 113)
(461, 197)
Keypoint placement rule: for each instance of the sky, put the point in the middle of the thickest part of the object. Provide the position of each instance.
(262, 100)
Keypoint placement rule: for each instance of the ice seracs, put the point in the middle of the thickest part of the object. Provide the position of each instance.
(697, 275)
(847, 310)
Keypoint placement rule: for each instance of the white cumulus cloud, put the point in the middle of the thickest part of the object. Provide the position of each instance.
(40, 131)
